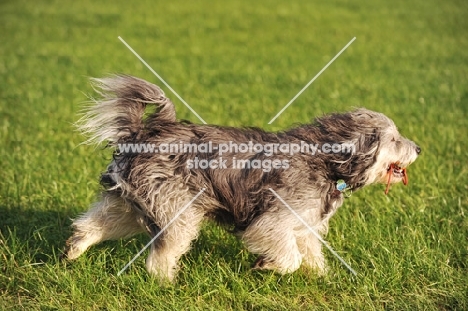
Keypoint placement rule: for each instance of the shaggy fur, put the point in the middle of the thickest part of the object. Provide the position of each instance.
(144, 191)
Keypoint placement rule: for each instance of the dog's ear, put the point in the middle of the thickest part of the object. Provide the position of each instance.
(363, 130)
(368, 141)
(337, 127)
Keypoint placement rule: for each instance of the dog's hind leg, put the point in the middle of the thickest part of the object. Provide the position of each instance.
(108, 219)
(178, 231)
(271, 236)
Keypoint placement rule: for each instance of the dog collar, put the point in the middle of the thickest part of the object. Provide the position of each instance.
(342, 187)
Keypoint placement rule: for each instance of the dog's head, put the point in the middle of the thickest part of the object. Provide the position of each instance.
(380, 155)
(393, 153)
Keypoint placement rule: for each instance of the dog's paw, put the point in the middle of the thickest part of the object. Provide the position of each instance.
(73, 248)
(263, 263)
(316, 264)
(260, 263)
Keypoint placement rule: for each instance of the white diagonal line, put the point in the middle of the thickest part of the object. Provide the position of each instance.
(311, 81)
(160, 232)
(162, 80)
(315, 233)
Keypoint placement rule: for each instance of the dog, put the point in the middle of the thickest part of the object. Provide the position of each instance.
(153, 192)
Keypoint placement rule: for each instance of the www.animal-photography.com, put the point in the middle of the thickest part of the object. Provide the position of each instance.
(234, 155)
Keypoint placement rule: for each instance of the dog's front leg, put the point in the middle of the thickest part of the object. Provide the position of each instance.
(311, 249)
(108, 219)
(272, 237)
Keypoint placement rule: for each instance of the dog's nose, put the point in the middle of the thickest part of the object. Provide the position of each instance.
(418, 150)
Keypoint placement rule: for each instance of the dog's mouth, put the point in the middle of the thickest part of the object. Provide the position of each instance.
(395, 171)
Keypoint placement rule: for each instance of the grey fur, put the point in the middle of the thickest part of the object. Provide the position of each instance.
(144, 191)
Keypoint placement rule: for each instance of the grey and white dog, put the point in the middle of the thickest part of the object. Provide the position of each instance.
(144, 191)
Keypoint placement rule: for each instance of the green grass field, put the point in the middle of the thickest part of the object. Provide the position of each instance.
(237, 63)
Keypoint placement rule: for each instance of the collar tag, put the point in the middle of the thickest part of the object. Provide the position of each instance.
(341, 186)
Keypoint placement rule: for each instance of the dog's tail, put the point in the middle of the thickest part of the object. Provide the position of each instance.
(117, 116)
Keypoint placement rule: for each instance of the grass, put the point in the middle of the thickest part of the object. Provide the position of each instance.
(237, 63)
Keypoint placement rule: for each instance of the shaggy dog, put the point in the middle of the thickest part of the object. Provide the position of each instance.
(144, 190)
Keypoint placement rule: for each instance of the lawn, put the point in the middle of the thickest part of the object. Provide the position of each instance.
(237, 63)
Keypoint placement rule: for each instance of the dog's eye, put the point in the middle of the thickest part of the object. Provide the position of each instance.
(393, 139)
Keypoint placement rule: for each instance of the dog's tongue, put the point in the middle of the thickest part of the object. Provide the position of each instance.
(390, 175)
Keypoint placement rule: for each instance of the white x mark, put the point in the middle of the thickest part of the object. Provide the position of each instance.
(202, 190)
